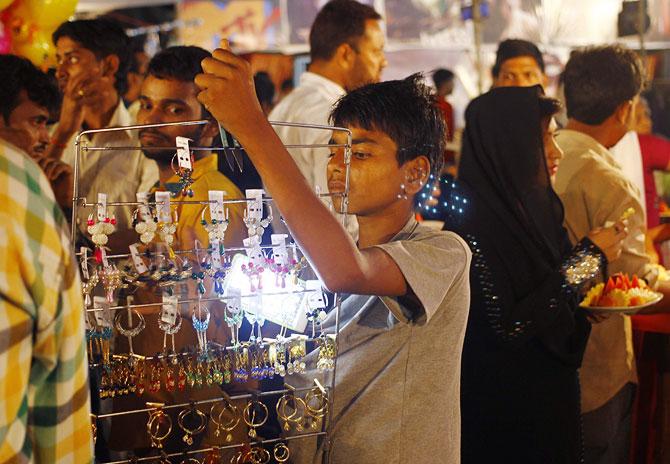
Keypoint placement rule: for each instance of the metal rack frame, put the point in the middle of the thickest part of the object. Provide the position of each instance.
(79, 202)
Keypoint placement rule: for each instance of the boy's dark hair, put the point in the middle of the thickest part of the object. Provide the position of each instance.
(514, 48)
(181, 63)
(599, 79)
(103, 37)
(404, 110)
(441, 75)
(17, 74)
(338, 22)
(265, 88)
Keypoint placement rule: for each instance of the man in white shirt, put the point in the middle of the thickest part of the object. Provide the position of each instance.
(347, 51)
(92, 63)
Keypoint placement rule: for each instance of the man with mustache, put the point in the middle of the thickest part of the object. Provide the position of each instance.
(93, 56)
(168, 94)
(28, 99)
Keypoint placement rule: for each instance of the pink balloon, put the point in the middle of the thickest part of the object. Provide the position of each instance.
(5, 39)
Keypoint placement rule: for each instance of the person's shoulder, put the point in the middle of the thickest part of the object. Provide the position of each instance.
(432, 243)
(303, 104)
(17, 165)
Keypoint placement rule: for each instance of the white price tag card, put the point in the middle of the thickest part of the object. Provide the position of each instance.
(233, 300)
(102, 206)
(279, 251)
(84, 262)
(184, 153)
(144, 211)
(315, 298)
(170, 309)
(103, 255)
(138, 262)
(255, 203)
(163, 207)
(254, 251)
(216, 208)
(103, 317)
(215, 246)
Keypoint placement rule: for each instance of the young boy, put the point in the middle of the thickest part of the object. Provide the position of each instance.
(397, 388)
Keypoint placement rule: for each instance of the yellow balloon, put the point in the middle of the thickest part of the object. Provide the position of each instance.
(5, 3)
(49, 14)
(39, 50)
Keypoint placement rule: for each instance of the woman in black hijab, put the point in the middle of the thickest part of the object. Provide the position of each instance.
(526, 334)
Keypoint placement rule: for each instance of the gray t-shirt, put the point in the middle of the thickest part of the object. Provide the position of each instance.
(397, 391)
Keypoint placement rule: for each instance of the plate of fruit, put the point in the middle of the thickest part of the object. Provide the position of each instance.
(620, 294)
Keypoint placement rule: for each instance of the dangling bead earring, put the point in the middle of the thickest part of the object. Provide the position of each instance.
(403, 193)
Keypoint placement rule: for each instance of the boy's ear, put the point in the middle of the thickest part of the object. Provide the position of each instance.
(417, 172)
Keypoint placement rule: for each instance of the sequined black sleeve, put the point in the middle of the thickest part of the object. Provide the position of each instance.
(548, 309)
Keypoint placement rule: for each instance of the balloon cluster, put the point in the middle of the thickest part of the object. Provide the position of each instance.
(26, 27)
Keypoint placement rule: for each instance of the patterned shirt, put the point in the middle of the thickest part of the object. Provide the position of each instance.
(44, 413)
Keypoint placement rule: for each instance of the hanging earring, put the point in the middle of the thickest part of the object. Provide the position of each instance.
(256, 227)
(166, 231)
(99, 230)
(145, 227)
(216, 229)
(403, 193)
(185, 177)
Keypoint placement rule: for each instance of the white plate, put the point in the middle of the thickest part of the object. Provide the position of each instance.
(623, 309)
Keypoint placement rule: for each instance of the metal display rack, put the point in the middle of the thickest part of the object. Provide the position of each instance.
(327, 389)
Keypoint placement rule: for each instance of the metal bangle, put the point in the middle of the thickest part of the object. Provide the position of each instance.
(316, 394)
(295, 416)
(229, 425)
(157, 418)
(257, 455)
(281, 452)
(188, 438)
(130, 332)
(249, 418)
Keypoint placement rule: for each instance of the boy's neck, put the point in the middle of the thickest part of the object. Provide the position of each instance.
(381, 227)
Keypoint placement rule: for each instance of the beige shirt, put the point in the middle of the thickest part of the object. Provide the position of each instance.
(119, 174)
(595, 191)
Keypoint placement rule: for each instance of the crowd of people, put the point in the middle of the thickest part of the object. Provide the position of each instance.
(466, 344)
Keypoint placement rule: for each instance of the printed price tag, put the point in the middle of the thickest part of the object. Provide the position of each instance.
(279, 251)
(216, 207)
(170, 308)
(216, 253)
(138, 262)
(184, 153)
(103, 317)
(255, 203)
(144, 211)
(163, 207)
(103, 255)
(102, 206)
(233, 299)
(315, 298)
(254, 251)
(84, 262)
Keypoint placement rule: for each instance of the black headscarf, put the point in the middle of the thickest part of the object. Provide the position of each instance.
(504, 168)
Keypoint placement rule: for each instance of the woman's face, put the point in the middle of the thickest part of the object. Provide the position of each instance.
(552, 151)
